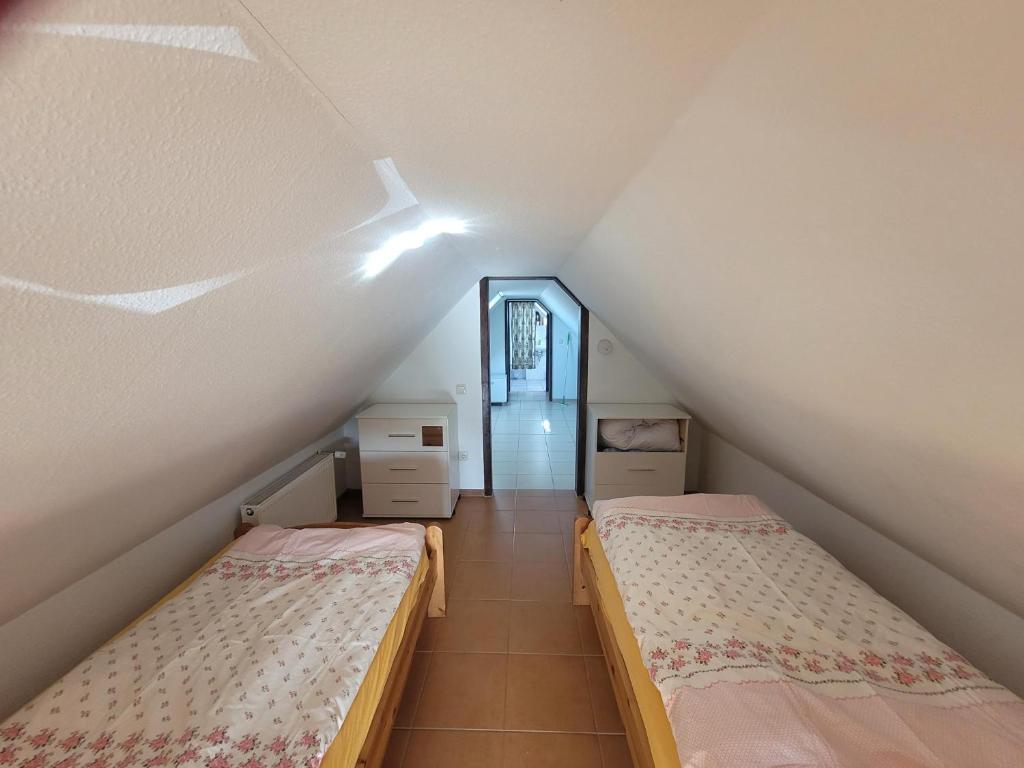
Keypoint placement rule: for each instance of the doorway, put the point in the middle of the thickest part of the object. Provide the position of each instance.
(534, 360)
(528, 345)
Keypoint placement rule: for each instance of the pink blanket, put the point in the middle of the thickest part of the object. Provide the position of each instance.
(254, 665)
(767, 652)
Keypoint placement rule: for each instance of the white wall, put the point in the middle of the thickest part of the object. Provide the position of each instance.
(619, 377)
(449, 355)
(46, 641)
(496, 319)
(559, 302)
(985, 632)
(200, 312)
(824, 255)
(565, 367)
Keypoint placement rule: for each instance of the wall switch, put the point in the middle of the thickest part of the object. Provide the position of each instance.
(460, 389)
(339, 454)
(463, 455)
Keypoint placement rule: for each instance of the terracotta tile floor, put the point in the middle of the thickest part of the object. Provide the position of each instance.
(513, 675)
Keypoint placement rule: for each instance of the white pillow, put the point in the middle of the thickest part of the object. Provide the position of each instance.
(639, 434)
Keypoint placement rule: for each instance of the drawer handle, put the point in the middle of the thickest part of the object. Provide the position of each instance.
(402, 469)
(405, 501)
(401, 434)
(642, 469)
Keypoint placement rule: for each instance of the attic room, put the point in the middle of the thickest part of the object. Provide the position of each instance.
(548, 383)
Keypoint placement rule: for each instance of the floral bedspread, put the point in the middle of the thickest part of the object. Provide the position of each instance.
(768, 652)
(254, 665)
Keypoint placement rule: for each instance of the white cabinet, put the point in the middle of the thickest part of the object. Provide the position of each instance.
(614, 474)
(409, 460)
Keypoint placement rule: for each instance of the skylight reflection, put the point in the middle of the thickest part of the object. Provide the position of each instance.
(225, 41)
(382, 258)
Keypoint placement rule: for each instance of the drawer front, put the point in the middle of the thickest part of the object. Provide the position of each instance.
(621, 491)
(638, 468)
(406, 500)
(403, 466)
(402, 435)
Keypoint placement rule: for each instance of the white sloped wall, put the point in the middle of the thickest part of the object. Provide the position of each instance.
(824, 257)
(181, 287)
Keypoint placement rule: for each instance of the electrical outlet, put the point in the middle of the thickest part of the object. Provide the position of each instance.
(460, 389)
(463, 455)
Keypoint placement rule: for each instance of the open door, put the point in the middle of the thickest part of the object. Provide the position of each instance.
(533, 371)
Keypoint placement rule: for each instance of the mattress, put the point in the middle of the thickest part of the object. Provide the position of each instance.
(765, 651)
(277, 652)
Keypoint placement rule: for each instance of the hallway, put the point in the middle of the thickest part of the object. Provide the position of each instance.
(533, 443)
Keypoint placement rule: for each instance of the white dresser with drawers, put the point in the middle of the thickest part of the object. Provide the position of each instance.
(409, 459)
(614, 474)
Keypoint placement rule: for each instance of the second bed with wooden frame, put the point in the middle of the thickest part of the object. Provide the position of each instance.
(286, 648)
(429, 601)
(732, 639)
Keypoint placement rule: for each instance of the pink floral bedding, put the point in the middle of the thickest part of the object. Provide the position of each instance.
(254, 665)
(767, 652)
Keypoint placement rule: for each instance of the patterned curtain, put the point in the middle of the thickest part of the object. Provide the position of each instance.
(523, 333)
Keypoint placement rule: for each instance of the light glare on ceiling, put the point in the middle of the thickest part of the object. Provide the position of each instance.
(385, 256)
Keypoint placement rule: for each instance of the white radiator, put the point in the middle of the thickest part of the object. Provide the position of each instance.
(304, 494)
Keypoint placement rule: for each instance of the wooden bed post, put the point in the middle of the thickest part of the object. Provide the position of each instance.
(580, 596)
(436, 608)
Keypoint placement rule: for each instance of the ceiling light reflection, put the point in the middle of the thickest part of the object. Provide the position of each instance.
(139, 302)
(382, 258)
(225, 41)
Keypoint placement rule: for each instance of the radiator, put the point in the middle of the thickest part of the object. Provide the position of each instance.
(304, 494)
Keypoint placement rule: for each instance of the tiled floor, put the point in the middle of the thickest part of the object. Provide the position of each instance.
(513, 675)
(529, 385)
(533, 443)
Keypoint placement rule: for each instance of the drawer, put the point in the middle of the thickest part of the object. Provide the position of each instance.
(637, 468)
(403, 466)
(621, 491)
(406, 500)
(403, 435)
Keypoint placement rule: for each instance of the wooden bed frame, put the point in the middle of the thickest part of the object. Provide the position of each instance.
(584, 592)
(429, 601)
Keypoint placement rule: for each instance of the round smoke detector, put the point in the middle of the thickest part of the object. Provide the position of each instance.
(605, 347)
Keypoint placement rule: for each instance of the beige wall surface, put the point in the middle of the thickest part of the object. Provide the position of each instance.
(823, 258)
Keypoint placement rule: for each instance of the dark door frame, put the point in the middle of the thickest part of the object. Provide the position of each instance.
(549, 362)
(485, 378)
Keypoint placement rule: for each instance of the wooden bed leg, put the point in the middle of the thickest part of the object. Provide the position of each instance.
(579, 588)
(435, 547)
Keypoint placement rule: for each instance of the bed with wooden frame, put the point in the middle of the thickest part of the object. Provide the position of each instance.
(63, 726)
(731, 639)
(428, 601)
(632, 696)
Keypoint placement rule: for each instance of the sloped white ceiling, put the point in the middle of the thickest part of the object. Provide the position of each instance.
(526, 118)
(133, 171)
(824, 258)
(191, 191)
